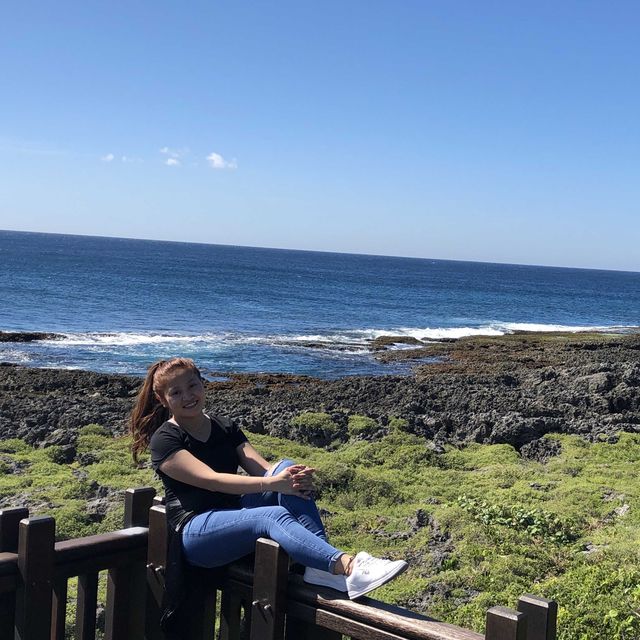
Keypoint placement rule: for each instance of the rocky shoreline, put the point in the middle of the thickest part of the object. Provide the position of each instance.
(509, 389)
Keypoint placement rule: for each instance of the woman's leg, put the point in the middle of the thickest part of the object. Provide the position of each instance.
(305, 511)
(215, 538)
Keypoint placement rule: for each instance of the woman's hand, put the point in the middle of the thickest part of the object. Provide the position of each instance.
(296, 480)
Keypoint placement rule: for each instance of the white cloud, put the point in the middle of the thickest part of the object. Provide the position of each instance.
(216, 161)
(174, 153)
(130, 159)
(108, 158)
(172, 162)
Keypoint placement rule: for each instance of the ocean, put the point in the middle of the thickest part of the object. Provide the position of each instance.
(121, 304)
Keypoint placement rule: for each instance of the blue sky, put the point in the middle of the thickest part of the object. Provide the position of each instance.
(493, 131)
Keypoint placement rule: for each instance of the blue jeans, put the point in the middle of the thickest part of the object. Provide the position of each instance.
(215, 538)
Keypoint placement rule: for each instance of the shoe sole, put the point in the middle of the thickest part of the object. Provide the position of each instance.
(330, 585)
(379, 582)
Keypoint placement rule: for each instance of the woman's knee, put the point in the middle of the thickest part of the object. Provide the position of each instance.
(279, 466)
(277, 515)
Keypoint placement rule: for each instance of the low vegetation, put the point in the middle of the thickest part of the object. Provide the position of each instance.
(479, 525)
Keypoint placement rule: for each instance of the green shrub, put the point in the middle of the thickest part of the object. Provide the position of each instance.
(55, 454)
(368, 491)
(317, 429)
(398, 424)
(599, 597)
(93, 430)
(361, 426)
(332, 480)
(14, 445)
(537, 523)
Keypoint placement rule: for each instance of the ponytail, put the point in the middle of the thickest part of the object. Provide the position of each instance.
(148, 412)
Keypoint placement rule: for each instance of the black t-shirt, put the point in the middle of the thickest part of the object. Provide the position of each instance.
(184, 501)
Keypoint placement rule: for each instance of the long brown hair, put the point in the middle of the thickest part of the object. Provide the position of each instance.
(148, 412)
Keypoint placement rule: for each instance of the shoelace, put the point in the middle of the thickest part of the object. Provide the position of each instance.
(363, 565)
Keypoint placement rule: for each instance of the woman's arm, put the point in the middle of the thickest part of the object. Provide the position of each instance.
(185, 467)
(251, 461)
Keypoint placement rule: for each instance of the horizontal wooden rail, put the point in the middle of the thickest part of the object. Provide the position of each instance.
(380, 615)
(100, 552)
(81, 555)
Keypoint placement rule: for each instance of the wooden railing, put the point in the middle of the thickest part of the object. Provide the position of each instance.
(263, 601)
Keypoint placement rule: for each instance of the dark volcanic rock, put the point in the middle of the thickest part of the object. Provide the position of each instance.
(511, 389)
(10, 336)
(39, 404)
(541, 450)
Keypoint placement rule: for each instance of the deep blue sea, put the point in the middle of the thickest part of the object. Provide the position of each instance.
(122, 304)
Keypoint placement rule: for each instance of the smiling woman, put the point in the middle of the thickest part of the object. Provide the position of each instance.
(216, 514)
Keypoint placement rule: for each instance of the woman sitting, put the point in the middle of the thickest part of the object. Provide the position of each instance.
(218, 514)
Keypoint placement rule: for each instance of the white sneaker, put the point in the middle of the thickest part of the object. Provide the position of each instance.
(369, 573)
(325, 579)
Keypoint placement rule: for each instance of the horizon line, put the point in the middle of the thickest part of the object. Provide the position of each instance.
(347, 253)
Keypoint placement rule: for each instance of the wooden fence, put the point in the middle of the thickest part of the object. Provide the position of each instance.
(260, 602)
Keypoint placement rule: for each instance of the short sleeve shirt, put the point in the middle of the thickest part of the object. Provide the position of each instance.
(184, 501)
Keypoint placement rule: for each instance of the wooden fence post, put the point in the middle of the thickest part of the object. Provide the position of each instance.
(9, 527)
(156, 560)
(35, 565)
(9, 524)
(230, 614)
(137, 503)
(542, 615)
(86, 606)
(126, 595)
(505, 624)
(200, 610)
(59, 609)
(270, 577)
(127, 586)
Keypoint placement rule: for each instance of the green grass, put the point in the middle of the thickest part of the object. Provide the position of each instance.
(495, 526)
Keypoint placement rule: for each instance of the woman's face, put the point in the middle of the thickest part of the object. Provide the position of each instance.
(182, 393)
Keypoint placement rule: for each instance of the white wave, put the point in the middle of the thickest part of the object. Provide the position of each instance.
(430, 333)
(354, 340)
(15, 356)
(124, 339)
(526, 326)
(492, 329)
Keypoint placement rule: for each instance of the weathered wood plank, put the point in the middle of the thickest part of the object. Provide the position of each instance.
(269, 591)
(58, 609)
(8, 586)
(157, 545)
(99, 552)
(542, 615)
(126, 595)
(137, 503)
(340, 624)
(377, 614)
(35, 567)
(505, 624)
(7, 614)
(153, 612)
(9, 527)
(201, 613)
(230, 613)
(86, 606)
(68, 551)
